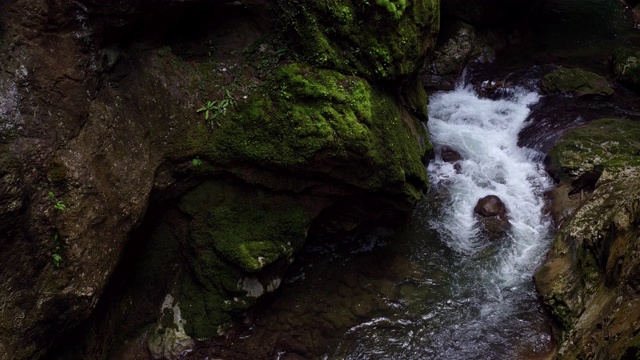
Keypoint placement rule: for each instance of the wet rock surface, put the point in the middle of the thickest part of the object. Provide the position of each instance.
(492, 216)
(575, 81)
(588, 281)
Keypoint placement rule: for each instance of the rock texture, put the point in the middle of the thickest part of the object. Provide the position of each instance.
(108, 166)
(590, 279)
(575, 81)
(492, 214)
(458, 44)
(626, 66)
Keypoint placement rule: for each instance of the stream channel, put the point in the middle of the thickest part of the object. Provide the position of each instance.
(474, 297)
(439, 288)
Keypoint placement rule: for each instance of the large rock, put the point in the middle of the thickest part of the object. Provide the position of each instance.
(575, 81)
(626, 66)
(590, 278)
(458, 44)
(100, 133)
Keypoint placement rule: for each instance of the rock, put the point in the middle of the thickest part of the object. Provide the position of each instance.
(112, 130)
(612, 146)
(449, 155)
(489, 206)
(289, 345)
(326, 35)
(459, 43)
(492, 216)
(168, 340)
(363, 305)
(626, 66)
(575, 81)
(589, 281)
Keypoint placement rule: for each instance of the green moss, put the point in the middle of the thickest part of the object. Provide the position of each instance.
(311, 121)
(204, 310)
(235, 229)
(381, 39)
(611, 143)
(246, 227)
(578, 81)
(626, 65)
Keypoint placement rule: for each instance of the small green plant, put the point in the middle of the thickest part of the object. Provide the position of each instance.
(57, 245)
(196, 162)
(57, 203)
(213, 109)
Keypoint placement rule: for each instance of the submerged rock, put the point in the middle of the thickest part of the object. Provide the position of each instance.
(590, 278)
(575, 81)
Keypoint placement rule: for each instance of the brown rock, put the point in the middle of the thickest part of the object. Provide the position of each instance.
(449, 155)
(490, 205)
(492, 215)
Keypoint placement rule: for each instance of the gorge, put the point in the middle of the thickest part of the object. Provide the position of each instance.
(297, 179)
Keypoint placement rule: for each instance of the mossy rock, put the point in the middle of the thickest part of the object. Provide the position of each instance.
(613, 144)
(312, 122)
(576, 81)
(626, 66)
(376, 39)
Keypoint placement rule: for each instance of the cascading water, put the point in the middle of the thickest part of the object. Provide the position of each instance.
(476, 299)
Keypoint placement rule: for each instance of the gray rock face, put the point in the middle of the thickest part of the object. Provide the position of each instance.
(458, 45)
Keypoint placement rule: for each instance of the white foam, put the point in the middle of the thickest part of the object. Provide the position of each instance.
(485, 133)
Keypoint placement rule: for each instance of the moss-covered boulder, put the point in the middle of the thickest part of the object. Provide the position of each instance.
(590, 278)
(611, 144)
(377, 39)
(575, 81)
(626, 66)
(309, 122)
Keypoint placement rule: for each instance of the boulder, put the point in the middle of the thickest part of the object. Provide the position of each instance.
(458, 44)
(489, 206)
(575, 81)
(626, 66)
(492, 216)
(589, 281)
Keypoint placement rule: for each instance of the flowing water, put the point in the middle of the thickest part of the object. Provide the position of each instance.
(477, 300)
(437, 289)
